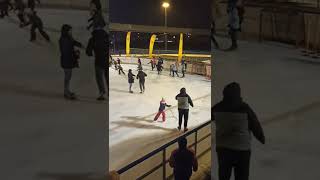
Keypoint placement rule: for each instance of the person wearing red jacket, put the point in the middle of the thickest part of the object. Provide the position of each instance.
(162, 107)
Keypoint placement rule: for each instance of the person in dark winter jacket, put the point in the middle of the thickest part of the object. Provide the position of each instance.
(139, 62)
(36, 23)
(159, 67)
(161, 111)
(235, 121)
(99, 45)
(183, 161)
(213, 32)
(130, 79)
(183, 107)
(95, 5)
(141, 76)
(20, 7)
(32, 4)
(97, 20)
(183, 69)
(118, 61)
(68, 60)
(120, 69)
(4, 8)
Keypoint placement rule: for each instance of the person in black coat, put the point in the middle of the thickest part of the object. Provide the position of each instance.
(99, 45)
(130, 80)
(97, 20)
(32, 4)
(36, 23)
(141, 76)
(95, 4)
(68, 60)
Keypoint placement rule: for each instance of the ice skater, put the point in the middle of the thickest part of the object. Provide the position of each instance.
(159, 67)
(183, 69)
(142, 78)
(67, 59)
(130, 80)
(140, 67)
(99, 45)
(153, 63)
(95, 5)
(118, 61)
(32, 4)
(36, 23)
(4, 8)
(20, 7)
(97, 20)
(120, 69)
(183, 107)
(161, 111)
(174, 70)
(139, 62)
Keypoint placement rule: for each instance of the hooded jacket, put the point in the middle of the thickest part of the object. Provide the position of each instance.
(183, 99)
(163, 105)
(99, 45)
(235, 121)
(141, 76)
(66, 45)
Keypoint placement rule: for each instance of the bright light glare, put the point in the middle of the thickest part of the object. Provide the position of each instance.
(165, 4)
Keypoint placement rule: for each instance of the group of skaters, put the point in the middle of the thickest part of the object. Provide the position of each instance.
(98, 45)
(175, 66)
(26, 14)
(235, 11)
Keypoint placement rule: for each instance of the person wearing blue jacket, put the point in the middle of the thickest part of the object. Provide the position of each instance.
(161, 111)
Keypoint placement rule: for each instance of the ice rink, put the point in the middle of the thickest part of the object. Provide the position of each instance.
(131, 115)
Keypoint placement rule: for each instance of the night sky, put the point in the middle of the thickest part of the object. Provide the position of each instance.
(181, 13)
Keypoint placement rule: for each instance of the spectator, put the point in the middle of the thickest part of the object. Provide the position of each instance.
(183, 160)
(235, 121)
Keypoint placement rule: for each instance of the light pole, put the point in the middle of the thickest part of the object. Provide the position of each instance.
(165, 5)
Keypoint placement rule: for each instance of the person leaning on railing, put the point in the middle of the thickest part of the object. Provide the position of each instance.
(183, 160)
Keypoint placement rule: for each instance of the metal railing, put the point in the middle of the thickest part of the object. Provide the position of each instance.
(163, 150)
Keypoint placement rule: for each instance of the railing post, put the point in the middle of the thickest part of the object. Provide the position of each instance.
(196, 142)
(164, 159)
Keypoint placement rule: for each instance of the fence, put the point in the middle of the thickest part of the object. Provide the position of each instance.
(201, 146)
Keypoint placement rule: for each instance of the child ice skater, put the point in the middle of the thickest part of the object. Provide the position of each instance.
(162, 107)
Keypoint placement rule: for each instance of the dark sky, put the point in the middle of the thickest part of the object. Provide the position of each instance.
(181, 13)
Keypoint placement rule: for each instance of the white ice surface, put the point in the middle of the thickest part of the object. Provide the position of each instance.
(131, 115)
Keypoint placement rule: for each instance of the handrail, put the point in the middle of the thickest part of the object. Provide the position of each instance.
(163, 149)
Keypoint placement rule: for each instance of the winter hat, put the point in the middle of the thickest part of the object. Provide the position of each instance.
(232, 91)
(183, 90)
(65, 29)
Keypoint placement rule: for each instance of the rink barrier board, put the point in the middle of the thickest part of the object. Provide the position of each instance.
(200, 68)
(163, 149)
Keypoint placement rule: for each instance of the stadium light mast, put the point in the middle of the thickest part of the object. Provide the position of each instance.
(165, 5)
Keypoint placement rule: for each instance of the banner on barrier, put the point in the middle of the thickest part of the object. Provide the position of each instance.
(152, 40)
(128, 44)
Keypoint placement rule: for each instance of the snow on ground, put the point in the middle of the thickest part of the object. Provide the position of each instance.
(131, 115)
